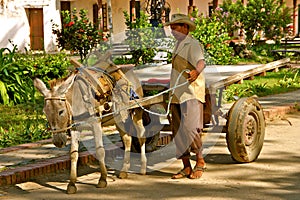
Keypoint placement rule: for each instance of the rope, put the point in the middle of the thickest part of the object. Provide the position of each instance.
(154, 96)
(176, 85)
(55, 98)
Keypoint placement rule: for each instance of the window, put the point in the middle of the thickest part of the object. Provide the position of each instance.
(135, 7)
(104, 17)
(64, 6)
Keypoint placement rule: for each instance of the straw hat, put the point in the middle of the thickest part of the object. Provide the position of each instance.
(181, 18)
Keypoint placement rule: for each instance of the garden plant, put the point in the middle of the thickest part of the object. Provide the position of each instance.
(78, 34)
(21, 116)
(140, 36)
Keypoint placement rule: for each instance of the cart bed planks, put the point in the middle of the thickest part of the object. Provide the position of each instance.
(249, 74)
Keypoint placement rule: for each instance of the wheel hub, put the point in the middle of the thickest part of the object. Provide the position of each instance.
(250, 130)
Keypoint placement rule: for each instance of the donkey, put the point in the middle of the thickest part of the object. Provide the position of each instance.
(74, 99)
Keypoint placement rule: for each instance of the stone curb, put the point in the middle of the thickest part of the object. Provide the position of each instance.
(25, 146)
(58, 164)
(278, 111)
(53, 165)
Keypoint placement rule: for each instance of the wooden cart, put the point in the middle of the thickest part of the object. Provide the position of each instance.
(245, 121)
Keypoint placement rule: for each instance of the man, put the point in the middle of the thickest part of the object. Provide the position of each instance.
(187, 100)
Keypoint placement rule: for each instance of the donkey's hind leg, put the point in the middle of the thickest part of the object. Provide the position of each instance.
(127, 139)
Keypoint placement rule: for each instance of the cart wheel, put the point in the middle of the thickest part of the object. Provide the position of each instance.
(245, 129)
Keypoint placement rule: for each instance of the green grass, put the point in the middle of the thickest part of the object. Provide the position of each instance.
(21, 124)
(285, 80)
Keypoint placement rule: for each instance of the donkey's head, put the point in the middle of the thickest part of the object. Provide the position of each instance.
(57, 108)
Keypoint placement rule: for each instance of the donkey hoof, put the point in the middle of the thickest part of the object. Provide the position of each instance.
(123, 175)
(102, 184)
(143, 172)
(71, 189)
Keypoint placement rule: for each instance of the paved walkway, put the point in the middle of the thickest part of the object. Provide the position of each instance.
(19, 164)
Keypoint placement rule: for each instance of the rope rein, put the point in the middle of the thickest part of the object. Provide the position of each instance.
(55, 98)
(176, 85)
(69, 111)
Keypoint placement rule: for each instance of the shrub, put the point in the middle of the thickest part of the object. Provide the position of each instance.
(141, 38)
(230, 14)
(15, 84)
(78, 34)
(269, 16)
(44, 66)
(21, 118)
(17, 71)
(213, 34)
(257, 19)
(6, 60)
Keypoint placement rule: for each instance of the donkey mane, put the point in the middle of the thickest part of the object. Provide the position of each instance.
(57, 82)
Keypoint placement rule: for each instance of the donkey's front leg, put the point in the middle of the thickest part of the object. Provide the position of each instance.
(127, 139)
(138, 123)
(100, 154)
(71, 189)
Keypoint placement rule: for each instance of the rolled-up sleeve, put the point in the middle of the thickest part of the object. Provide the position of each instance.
(196, 52)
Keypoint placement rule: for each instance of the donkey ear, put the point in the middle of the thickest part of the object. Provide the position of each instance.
(65, 86)
(40, 85)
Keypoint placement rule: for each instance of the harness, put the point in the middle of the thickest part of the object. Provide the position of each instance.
(102, 83)
(68, 106)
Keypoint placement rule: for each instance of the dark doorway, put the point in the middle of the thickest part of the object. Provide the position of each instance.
(64, 6)
(96, 14)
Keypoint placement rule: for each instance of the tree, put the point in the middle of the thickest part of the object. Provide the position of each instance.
(141, 37)
(212, 33)
(267, 16)
(230, 14)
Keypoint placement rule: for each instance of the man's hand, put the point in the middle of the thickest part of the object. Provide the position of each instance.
(193, 75)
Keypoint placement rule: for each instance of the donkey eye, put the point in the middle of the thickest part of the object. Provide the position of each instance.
(61, 112)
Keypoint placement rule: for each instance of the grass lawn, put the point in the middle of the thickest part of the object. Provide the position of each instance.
(285, 80)
(22, 124)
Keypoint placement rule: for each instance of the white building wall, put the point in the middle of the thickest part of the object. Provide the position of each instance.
(51, 13)
(15, 24)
